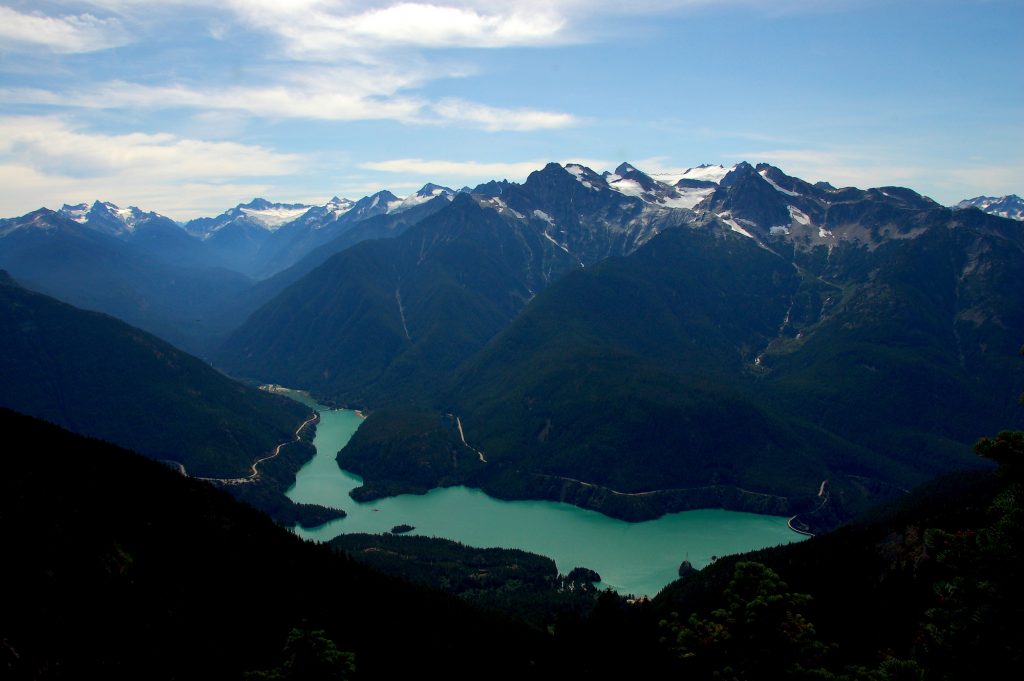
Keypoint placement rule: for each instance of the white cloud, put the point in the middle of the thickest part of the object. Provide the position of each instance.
(323, 30)
(65, 34)
(496, 118)
(50, 144)
(341, 95)
(44, 161)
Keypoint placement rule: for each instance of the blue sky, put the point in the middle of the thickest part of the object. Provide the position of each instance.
(189, 108)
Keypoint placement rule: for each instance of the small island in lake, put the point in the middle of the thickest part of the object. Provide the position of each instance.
(402, 529)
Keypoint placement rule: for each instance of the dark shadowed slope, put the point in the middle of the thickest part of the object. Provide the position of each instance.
(118, 568)
(101, 377)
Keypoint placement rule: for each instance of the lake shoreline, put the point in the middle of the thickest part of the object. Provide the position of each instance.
(637, 557)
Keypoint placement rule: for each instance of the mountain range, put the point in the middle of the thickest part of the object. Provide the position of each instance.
(638, 344)
(1011, 206)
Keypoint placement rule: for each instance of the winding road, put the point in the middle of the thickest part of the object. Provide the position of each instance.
(254, 476)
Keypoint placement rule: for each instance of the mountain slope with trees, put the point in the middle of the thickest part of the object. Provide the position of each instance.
(101, 377)
(738, 354)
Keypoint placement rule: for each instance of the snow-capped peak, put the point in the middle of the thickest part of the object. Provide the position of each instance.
(709, 173)
(339, 206)
(1010, 206)
(76, 212)
(426, 193)
(632, 182)
(584, 175)
(106, 217)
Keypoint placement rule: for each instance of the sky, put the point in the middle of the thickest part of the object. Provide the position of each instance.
(189, 108)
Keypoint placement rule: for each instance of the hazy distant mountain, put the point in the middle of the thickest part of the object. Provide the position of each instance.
(1011, 206)
(384, 226)
(234, 237)
(321, 225)
(98, 376)
(156, 234)
(52, 253)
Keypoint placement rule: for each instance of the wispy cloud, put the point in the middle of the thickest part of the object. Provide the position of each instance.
(329, 30)
(45, 161)
(357, 97)
(62, 34)
(497, 118)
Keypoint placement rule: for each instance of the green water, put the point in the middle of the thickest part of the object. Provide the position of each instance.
(637, 558)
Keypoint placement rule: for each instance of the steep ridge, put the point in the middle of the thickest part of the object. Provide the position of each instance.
(431, 297)
(384, 226)
(386, 320)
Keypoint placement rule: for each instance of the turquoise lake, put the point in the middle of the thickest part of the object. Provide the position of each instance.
(632, 558)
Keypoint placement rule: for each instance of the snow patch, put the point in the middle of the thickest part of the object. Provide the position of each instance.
(735, 226)
(125, 215)
(551, 239)
(798, 215)
(76, 212)
(704, 172)
(764, 174)
(688, 198)
(626, 186)
(544, 216)
(578, 171)
(272, 218)
(497, 204)
(779, 230)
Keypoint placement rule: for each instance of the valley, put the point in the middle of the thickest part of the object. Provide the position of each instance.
(726, 338)
(362, 340)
